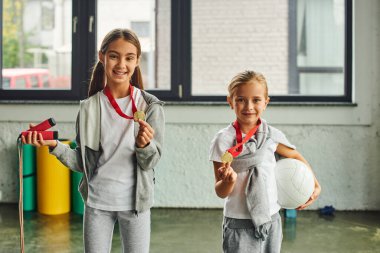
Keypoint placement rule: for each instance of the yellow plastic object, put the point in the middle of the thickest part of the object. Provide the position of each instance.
(53, 183)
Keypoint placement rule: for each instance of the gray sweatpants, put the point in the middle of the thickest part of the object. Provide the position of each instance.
(98, 226)
(238, 236)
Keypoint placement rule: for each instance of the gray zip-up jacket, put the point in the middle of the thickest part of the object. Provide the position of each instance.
(85, 157)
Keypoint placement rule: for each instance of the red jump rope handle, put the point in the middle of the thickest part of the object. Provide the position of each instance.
(47, 135)
(46, 124)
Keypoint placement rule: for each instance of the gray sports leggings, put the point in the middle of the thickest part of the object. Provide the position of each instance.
(98, 226)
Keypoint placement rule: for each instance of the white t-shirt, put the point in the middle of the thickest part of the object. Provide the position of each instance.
(235, 205)
(112, 187)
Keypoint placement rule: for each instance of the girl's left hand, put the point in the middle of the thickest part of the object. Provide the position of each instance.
(145, 134)
(314, 196)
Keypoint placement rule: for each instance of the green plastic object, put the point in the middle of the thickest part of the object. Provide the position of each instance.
(77, 201)
(29, 177)
(77, 205)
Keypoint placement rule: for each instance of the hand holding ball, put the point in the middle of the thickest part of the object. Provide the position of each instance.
(295, 183)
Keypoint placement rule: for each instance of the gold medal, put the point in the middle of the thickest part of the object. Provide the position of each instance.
(139, 115)
(227, 157)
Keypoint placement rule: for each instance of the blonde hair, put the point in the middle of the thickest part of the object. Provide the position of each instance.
(245, 77)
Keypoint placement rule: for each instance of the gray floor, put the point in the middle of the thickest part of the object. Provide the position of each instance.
(198, 231)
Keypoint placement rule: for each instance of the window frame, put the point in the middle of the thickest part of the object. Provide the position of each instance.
(81, 10)
(84, 44)
(294, 70)
(181, 60)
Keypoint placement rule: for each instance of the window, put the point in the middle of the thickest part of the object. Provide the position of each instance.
(141, 16)
(141, 28)
(47, 15)
(190, 48)
(320, 46)
(36, 50)
(301, 46)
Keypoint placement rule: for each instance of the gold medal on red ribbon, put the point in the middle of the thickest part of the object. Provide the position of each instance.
(136, 114)
(227, 157)
(139, 115)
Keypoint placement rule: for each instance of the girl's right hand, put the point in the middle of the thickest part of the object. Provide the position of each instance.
(227, 173)
(37, 140)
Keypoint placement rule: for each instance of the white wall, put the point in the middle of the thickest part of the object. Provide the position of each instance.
(342, 142)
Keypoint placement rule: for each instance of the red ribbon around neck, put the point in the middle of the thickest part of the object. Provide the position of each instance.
(236, 150)
(114, 104)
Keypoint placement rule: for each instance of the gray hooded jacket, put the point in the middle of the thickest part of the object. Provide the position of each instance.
(85, 157)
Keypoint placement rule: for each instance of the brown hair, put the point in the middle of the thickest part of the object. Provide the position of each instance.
(97, 78)
(245, 77)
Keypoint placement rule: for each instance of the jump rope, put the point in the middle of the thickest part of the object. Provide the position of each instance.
(47, 135)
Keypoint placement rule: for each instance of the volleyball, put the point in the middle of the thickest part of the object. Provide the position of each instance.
(295, 183)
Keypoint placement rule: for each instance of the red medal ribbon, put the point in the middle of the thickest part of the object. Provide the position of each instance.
(115, 106)
(236, 150)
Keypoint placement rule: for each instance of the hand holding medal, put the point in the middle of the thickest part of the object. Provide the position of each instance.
(226, 173)
(146, 132)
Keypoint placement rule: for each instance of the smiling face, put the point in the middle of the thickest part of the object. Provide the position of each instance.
(119, 61)
(249, 101)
